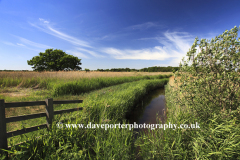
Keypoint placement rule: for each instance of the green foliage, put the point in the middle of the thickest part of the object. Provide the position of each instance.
(54, 60)
(149, 69)
(87, 70)
(217, 83)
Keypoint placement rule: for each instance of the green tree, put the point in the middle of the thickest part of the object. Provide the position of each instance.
(87, 70)
(55, 60)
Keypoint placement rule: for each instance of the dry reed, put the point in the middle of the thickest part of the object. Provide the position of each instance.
(75, 74)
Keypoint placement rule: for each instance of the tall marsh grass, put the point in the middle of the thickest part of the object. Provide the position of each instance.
(70, 75)
(48, 79)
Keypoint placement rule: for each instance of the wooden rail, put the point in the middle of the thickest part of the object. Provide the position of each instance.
(49, 114)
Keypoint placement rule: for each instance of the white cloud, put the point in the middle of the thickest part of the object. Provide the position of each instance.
(8, 43)
(31, 43)
(43, 20)
(76, 53)
(104, 37)
(90, 52)
(178, 41)
(123, 32)
(156, 53)
(144, 26)
(111, 36)
(20, 44)
(175, 47)
(45, 27)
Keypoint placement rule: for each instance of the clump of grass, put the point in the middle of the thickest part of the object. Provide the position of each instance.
(77, 143)
(123, 101)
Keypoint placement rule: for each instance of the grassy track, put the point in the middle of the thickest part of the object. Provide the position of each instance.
(74, 83)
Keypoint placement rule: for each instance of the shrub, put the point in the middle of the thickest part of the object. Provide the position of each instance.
(211, 84)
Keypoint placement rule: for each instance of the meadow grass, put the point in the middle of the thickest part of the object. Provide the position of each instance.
(108, 105)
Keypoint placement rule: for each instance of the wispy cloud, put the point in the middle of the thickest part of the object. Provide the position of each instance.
(47, 28)
(44, 21)
(90, 52)
(20, 44)
(77, 53)
(112, 36)
(8, 43)
(127, 31)
(156, 53)
(31, 43)
(144, 26)
(175, 46)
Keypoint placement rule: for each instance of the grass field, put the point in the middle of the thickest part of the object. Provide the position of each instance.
(121, 91)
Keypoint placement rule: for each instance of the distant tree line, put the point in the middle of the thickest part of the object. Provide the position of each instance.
(159, 69)
(149, 69)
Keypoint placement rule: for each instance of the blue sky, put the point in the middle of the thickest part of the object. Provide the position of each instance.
(109, 34)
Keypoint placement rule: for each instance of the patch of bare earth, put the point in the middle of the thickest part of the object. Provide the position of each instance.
(16, 92)
(20, 92)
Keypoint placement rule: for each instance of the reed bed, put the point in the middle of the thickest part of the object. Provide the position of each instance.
(75, 74)
(43, 79)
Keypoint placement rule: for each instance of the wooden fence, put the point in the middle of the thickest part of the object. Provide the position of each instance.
(49, 116)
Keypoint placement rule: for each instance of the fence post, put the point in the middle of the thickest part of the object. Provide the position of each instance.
(49, 111)
(3, 132)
